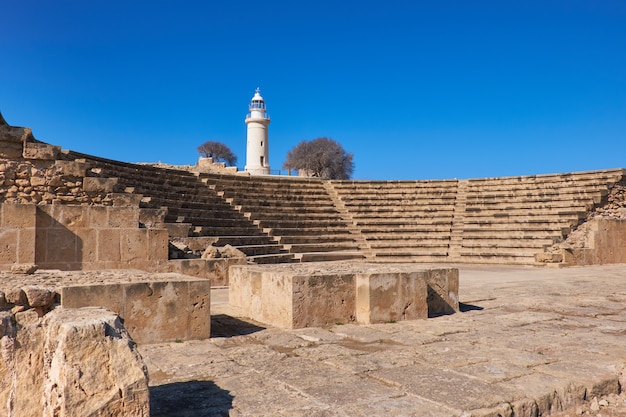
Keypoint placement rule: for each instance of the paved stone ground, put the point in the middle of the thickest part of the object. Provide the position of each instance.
(528, 342)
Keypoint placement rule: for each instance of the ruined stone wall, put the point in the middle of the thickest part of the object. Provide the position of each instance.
(50, 182)
(601, 241)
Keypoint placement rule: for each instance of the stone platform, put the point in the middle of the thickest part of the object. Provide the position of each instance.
(155, 307)
(295, 296)
(527, 342)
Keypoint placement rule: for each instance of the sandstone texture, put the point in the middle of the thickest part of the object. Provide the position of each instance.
(71, 362)
(526, 342)
(154, 307)
(316, 294)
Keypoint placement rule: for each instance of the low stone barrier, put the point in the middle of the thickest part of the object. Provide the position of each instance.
(315, 294)
(155, 307)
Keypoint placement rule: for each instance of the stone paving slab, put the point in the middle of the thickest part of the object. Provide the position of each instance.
(527, 342)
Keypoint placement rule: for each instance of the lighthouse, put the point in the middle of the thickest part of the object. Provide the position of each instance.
(257, 154)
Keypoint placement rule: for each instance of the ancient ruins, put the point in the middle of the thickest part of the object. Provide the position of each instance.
(98, 256)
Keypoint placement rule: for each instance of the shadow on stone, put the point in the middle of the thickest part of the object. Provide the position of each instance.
(464, 308)
(437, 306)
(223, 325)
(189, 399)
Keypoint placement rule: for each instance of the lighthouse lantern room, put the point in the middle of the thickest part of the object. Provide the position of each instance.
(257, 154)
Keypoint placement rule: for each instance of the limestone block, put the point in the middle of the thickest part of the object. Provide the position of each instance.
(18, 215)
(72, 217)
(41, 151)
(61, 246)
(134, 245)
(123, 217)
(87, 245)
(10, 150)
(443, 291)
(71, 168)
(16, 296)
(109, 296)
(199, 314)
(92, 366)
(123, 199)
(99, 185)
(305, 295)
(8, 245)
(26, 246)
(384, 297)
(157, 244)
(109, 248)
(98, 217)
(291, 300)
(152, 217)
(23, 269)
(153, 311)
(39, 296)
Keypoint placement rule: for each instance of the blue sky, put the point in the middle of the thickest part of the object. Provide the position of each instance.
(414, 89)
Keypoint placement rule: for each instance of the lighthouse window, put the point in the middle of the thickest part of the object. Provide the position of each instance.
(261, 143)
(262, 161)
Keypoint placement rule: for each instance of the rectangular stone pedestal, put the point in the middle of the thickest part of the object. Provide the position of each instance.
(308, 295)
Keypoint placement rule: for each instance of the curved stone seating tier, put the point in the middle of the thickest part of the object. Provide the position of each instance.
(191, 206)
(486, 220)
(299, 213)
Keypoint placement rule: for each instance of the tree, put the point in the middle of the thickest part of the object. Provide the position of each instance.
(321, 157)
(218, 151)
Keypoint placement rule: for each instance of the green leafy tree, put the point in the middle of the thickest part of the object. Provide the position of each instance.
(218, 151)
(321, 157)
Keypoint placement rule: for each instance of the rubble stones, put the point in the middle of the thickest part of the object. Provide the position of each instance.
(26, 269)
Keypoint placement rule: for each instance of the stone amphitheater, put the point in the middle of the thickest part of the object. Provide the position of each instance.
(143, 290)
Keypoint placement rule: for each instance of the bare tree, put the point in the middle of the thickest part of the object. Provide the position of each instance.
(321, 157)
(218, 151)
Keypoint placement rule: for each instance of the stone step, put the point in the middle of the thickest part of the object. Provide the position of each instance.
(178, 229)
(407, 229)
(346, 237)
(298, 223)
(243, 240)
(329, 256)
(272, 216)
(401, 236)
(406, 245)
(514, 233)
(423, 255)
(306, 231)
(404, 222)
(276, 258)
(226, 231)
(469, 248)
(320, 247)
(254, 250)
(504, 241)
(208, 221)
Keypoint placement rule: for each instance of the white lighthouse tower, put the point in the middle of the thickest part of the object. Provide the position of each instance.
(257, 154)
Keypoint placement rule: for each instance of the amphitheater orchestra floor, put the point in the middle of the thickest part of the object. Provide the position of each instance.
(528, 340)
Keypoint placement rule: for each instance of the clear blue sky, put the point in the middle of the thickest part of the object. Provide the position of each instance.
(415, 89)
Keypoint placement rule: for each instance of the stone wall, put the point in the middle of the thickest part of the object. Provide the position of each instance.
(603, 242)
(70, 362)
(71, 237)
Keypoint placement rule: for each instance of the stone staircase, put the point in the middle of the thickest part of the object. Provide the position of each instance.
(298, 212)
(189, 210)
(512, 219)
(284, 219)
(402, 221)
